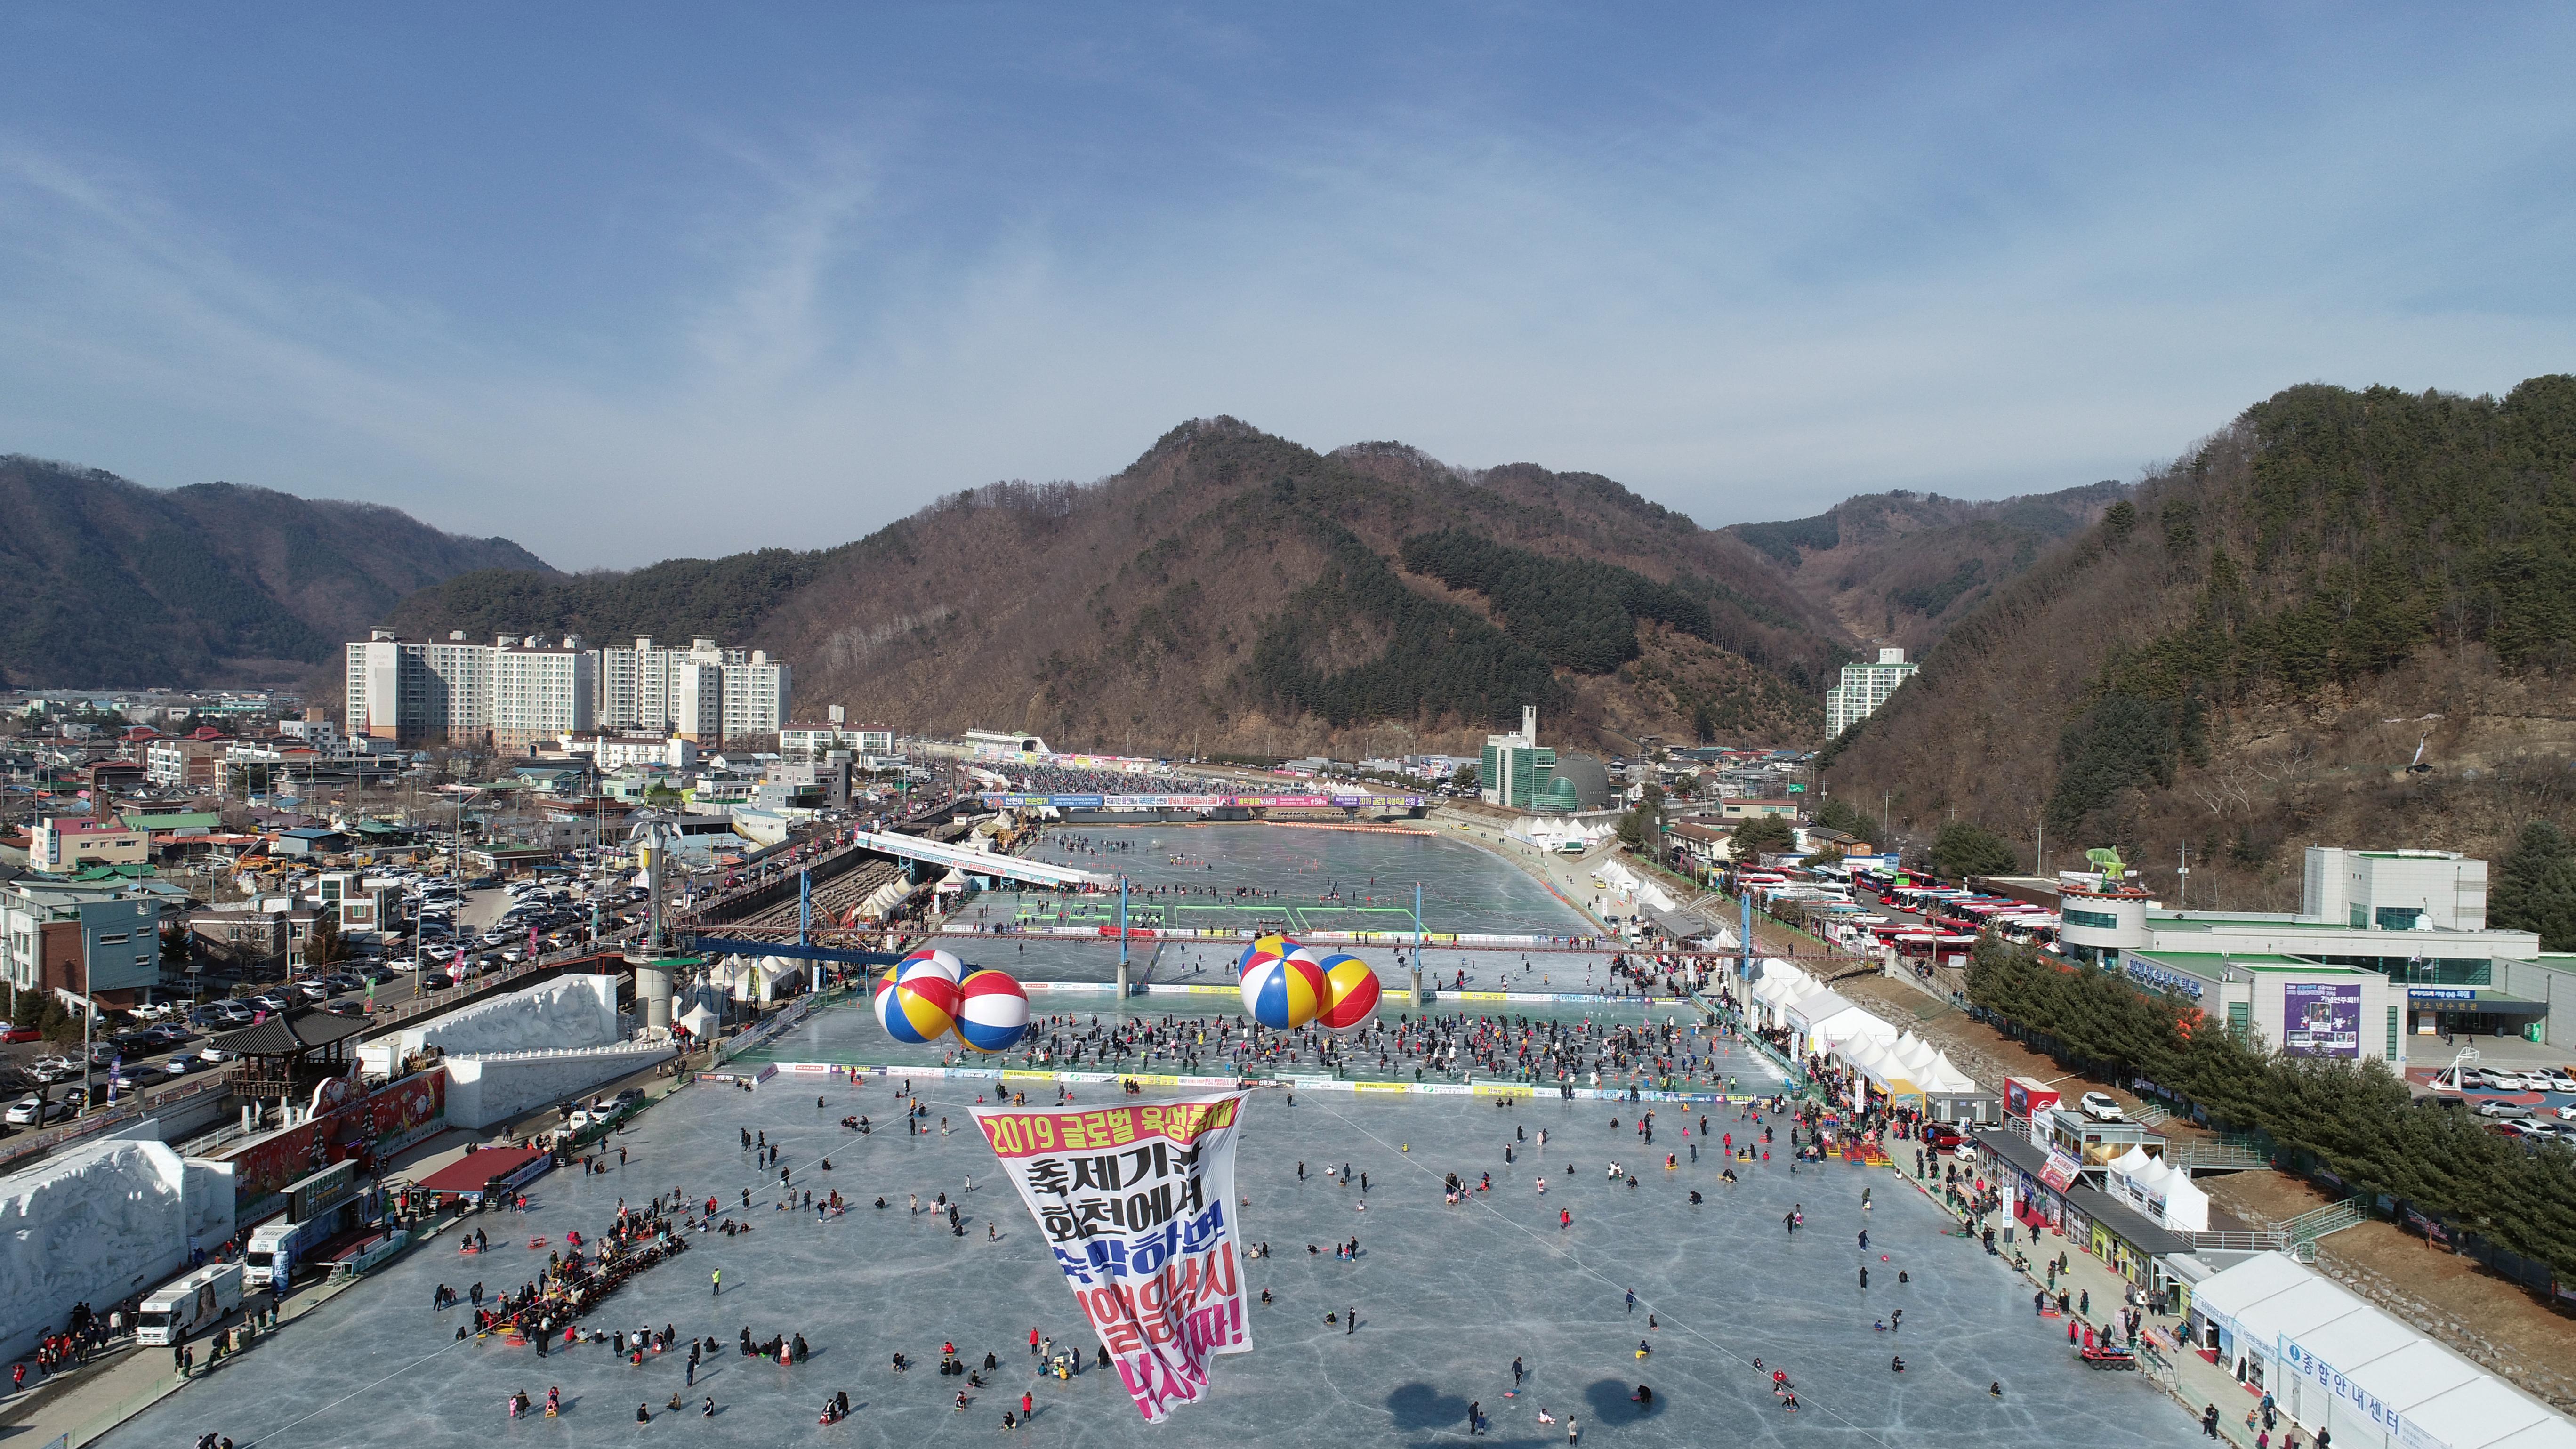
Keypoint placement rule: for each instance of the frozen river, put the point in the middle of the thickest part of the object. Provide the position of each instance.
(1446, 1297)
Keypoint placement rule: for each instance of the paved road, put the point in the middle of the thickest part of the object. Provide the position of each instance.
(477, 912)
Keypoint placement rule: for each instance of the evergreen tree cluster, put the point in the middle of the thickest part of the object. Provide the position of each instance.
(1936, 595)
(1965, 848)
(2355, 1118)
(1579, 614)
(2365, 525)
(1838, 813)
(1440, 659)
(680, 598)
(2355, 528)
(1758, 836)
(2535, 887)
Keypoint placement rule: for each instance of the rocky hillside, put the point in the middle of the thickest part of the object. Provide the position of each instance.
(1900, 568)
(116, 584)
(2247, 656)
(1232, 591)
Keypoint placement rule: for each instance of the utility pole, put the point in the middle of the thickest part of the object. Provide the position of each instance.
(1744, 898)
(1414, 996)
(2182, 880)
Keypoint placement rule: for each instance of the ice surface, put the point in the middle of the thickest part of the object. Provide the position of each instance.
(1446, 1297)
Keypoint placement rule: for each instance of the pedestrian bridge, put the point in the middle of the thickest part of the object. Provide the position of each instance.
(979, 862)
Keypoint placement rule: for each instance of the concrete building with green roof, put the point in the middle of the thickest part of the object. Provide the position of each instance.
(2414, 921)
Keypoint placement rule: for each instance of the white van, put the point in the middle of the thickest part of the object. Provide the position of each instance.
(183, 1306)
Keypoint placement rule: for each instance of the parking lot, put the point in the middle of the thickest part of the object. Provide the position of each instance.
(452, 935)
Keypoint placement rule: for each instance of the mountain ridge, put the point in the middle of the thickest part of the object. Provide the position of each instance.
(206, 584)
(2247, 653)
(1190, 599)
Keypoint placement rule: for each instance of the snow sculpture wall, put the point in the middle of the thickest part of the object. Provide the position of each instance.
(488, 1089)
(569, 1011)
(100, 1222)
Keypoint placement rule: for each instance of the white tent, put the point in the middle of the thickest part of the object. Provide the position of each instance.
(1948, 1077)
(2336, 1363)
(701, 1022)
(1917, 1054)
(1824, 1018)
(778, 976)
(1549, 832)
(2160, 1190)
(2186, 1206)
(1872, 1059)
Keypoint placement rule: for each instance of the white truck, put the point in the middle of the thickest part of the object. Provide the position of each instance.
(182, 1306)
(275, 1248)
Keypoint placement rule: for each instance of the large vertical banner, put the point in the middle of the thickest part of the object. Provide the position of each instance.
(2321, 1019)
(1138, 1204)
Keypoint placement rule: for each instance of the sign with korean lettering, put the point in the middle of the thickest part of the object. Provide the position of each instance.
(1138, 1204)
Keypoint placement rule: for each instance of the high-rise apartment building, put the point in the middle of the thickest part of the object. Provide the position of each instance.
(539, 693)
(522, 690)
(1863, 689)
(515, 691)
(705, 692)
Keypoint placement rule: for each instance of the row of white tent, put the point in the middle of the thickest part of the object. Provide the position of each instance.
(2165, 1194)
(2334, 1362)
(1823, 1022)
(1555, 832)
(1617, 877)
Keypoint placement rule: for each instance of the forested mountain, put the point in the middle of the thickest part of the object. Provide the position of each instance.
(115, 584)
(2246, 656)
(1235, 591)
(1900, 568)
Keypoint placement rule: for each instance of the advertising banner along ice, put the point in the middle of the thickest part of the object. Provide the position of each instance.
(1138, 1203)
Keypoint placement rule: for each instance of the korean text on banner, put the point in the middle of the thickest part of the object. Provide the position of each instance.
(1138, 1204)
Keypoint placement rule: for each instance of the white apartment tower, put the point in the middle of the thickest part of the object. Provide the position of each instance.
(522, 690)
(1863, 689)
(705, 692)
(539, 691)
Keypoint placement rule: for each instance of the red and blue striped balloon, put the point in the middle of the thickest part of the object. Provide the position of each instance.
(992, 1010)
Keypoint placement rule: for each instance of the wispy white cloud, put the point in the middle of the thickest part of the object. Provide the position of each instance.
(1742, 305)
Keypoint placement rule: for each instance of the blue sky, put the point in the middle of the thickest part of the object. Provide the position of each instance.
(631, 282)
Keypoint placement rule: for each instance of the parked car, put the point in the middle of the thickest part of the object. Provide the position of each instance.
(15, 1034)
(127, 1079)
(181, 1064)
(2498, 1107)
(269, 1001)
(435, 981)
(2505, 1081)
(2101, 1107)
(213, 1055)
(313, 990)
(36, 1111)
